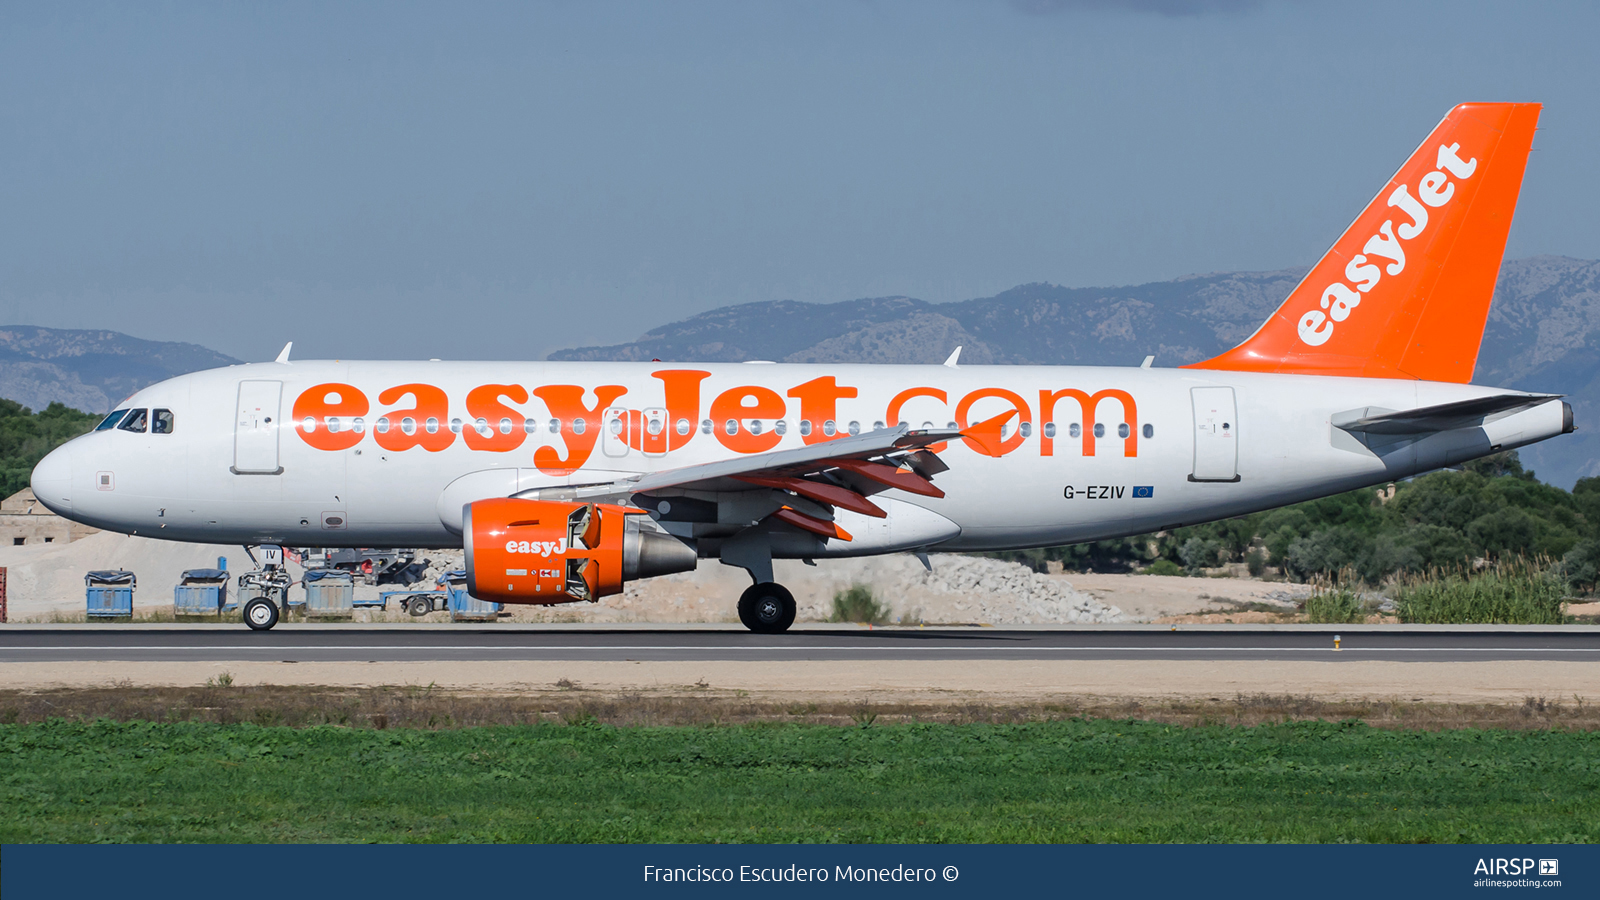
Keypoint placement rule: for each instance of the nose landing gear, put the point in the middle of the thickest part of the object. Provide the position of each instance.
(767, 608)
(268, 584)
(261, 614)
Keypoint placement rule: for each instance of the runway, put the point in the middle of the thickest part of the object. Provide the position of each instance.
(497, 644)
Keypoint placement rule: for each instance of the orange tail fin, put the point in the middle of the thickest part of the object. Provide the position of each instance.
(1405, 291)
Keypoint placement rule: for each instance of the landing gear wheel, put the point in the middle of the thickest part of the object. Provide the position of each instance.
(767, 608)
(261, 614)
(420, 606)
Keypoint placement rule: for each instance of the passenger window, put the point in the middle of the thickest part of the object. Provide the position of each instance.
(136, 420)
(1074, 431)
(805, 427)
(1122, 430)
(1099, 430)
(110, 422)
(1149, 430)
(1049, 429)
(162, 423)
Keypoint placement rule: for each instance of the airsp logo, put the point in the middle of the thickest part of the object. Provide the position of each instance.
(1502, 866)
(1549, 867)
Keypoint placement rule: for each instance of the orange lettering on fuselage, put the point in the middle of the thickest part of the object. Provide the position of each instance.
(501, 430)
(426, 425)
(681, 388)
(1088, 404)
(324, 416)
(1020, 405)
(330, 417)
(566, 405)
(819, 402)
(730, 411)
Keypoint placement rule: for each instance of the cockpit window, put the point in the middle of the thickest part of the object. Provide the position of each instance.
(135, 420)
(110, 422)
(162, 423)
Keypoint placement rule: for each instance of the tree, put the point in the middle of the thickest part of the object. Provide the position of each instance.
(26, 436)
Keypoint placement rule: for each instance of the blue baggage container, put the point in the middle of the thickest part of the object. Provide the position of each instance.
(329, 592)
(463, 606)
(110, 593)
(202, 592)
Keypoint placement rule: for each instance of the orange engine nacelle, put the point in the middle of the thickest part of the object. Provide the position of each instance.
(543, 551)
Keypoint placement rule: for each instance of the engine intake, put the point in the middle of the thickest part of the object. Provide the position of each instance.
(546, 552)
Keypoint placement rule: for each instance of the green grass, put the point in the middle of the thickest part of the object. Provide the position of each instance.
(1512, 595)
(1334, 607)
(1059, 781)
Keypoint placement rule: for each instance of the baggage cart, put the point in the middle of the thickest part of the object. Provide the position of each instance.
(329, 592)
(110, 593)
(463, 606)
(201, 592)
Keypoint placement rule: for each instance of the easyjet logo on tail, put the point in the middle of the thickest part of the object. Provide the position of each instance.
(1405, 290)
(1365, 270)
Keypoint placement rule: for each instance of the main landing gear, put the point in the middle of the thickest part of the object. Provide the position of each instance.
(767, 608)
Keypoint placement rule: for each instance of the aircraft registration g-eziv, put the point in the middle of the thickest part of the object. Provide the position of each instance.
(562, 481)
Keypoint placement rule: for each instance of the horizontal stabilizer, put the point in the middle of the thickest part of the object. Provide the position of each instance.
(1444, 417)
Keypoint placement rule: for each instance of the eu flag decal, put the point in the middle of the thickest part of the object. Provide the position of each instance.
(1143, 491)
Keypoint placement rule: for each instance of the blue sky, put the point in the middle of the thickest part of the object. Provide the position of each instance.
(483, 180)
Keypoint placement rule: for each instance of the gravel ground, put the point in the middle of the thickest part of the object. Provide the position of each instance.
(977, 681)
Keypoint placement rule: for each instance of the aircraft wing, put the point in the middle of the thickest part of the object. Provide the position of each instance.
(1443, 417)
(803, 487)
(800, 487)
(883, 445)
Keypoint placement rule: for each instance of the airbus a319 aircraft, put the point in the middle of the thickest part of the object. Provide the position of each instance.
(563, 481)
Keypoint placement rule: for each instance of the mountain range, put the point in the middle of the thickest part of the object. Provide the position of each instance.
(1543, 334)
(90, 370)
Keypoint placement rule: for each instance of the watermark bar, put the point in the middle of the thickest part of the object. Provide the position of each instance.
(305, 872)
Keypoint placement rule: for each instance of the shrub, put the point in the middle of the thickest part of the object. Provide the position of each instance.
(1163, 567)
(1256, 562)
(1335, 607)
(857, 604)
(1199, 553)
(1581, 565)
(1511, 594)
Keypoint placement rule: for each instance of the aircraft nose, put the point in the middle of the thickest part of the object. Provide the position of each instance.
(52, 480)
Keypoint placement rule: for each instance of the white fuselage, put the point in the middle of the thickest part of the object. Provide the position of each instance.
(224, 474)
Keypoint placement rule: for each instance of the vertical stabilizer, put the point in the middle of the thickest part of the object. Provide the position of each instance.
(1405, 291)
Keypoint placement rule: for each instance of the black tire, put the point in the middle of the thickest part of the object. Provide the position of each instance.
(260, 614)
(420, 606)
(767, 608)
